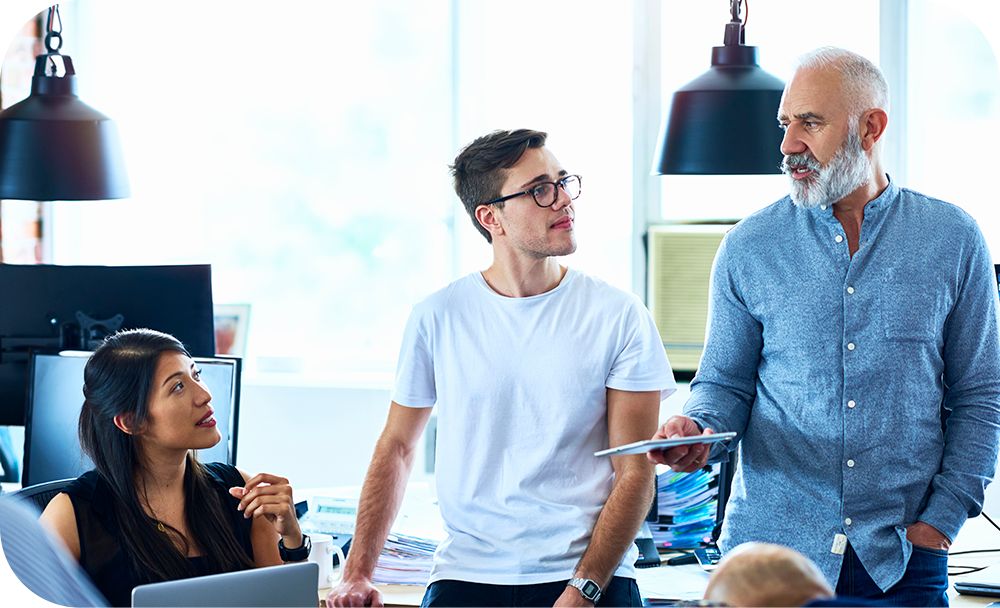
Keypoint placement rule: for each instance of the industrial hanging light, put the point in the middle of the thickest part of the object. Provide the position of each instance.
(723, 122)
(52, 145)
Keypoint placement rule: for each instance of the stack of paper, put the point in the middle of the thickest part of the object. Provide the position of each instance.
(687, 504)
(405, 560)
(408, 553)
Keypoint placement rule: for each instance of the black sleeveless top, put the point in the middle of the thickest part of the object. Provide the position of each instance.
(102, 552)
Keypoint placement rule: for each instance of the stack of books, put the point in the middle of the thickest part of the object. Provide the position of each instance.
(687, 505)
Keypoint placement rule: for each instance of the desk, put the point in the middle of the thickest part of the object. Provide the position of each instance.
(688, 582)
(976, 534)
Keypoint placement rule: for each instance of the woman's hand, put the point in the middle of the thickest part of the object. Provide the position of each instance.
(270, 497)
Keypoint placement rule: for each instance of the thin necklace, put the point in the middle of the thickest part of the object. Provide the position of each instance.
(159, 524)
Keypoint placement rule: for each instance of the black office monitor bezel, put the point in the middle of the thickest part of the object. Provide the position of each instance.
(42, 298)
(234, 421)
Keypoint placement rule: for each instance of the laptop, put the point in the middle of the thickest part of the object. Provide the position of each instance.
(286, 585)
(985, 582)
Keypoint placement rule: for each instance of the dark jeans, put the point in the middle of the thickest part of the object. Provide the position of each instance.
(620, 592)
(925, 582)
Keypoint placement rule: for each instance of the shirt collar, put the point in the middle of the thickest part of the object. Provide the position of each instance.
(881, 201)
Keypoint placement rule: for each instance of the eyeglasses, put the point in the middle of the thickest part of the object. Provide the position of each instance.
(545, 193)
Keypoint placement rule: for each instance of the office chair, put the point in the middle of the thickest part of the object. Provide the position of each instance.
(40, 562)
(40, 494)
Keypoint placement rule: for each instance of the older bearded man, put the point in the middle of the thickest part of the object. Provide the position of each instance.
(853, 344)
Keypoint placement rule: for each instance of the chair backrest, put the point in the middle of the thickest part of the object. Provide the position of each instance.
(40, 494)
(40, 562)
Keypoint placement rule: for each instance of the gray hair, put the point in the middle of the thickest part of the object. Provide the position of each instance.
(864, 84)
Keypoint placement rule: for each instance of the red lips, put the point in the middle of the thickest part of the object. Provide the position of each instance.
(207, 416)
(564, 223)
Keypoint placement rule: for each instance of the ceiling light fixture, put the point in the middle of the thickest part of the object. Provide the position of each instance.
(723, 122)
(52, 145)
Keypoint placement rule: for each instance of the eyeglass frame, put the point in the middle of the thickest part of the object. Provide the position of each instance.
(557, 184)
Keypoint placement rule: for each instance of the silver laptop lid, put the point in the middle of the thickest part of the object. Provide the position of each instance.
(287, 585)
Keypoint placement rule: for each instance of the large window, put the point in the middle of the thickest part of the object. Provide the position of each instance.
(300, 151)
(566, 68)
(954, 106)
(303, 151)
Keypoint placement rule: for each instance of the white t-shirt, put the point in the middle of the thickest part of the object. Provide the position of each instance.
(520, 387)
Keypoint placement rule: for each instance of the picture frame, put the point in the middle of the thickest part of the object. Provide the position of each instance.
(232, 323)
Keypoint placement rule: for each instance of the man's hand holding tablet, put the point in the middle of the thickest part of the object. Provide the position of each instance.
(683, 458)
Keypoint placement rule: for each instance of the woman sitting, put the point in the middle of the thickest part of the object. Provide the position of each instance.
(149, 511)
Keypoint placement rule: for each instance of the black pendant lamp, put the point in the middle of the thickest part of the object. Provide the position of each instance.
(52, 145)
(724, 122)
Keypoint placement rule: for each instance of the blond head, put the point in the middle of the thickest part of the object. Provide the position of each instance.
(762, 574)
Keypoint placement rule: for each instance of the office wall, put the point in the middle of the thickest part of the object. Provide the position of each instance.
(315, 436)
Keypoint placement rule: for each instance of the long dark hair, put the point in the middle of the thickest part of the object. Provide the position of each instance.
(118, 381)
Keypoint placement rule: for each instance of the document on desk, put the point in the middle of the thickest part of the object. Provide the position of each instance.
(671, 582)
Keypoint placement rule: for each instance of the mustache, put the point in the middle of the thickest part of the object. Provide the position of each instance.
(799, 160)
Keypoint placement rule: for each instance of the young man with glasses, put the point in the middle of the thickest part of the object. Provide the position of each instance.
(532, 368)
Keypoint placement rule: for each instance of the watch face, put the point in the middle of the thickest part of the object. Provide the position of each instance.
(590, 588)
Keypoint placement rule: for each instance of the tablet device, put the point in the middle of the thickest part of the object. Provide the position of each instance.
(649, 445)
(985, 582)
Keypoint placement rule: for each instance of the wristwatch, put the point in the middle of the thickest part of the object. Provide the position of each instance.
(299, 554)
(590, 590)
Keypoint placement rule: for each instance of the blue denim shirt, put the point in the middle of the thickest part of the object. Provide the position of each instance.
(838, 373)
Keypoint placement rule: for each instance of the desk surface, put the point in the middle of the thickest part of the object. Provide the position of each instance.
(688, 582)
(977, 534)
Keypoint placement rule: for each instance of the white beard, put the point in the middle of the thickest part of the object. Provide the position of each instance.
(848, 170)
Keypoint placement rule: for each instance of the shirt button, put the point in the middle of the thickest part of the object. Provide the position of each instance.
(850, 464)
(851, 404)
(847, 521)
(838, 238)
(850, 346)
(850, 290)
(823, 207)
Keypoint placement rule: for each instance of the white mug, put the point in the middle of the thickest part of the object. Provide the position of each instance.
(323, 551)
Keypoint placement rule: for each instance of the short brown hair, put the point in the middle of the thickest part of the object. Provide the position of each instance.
(479, 169)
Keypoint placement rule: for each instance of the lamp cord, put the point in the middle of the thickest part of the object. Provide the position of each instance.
(54, 15)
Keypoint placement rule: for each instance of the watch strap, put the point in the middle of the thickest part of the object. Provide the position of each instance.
(299, 554)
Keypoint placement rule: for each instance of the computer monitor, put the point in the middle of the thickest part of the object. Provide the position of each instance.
(55, 396)
(75, 307)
